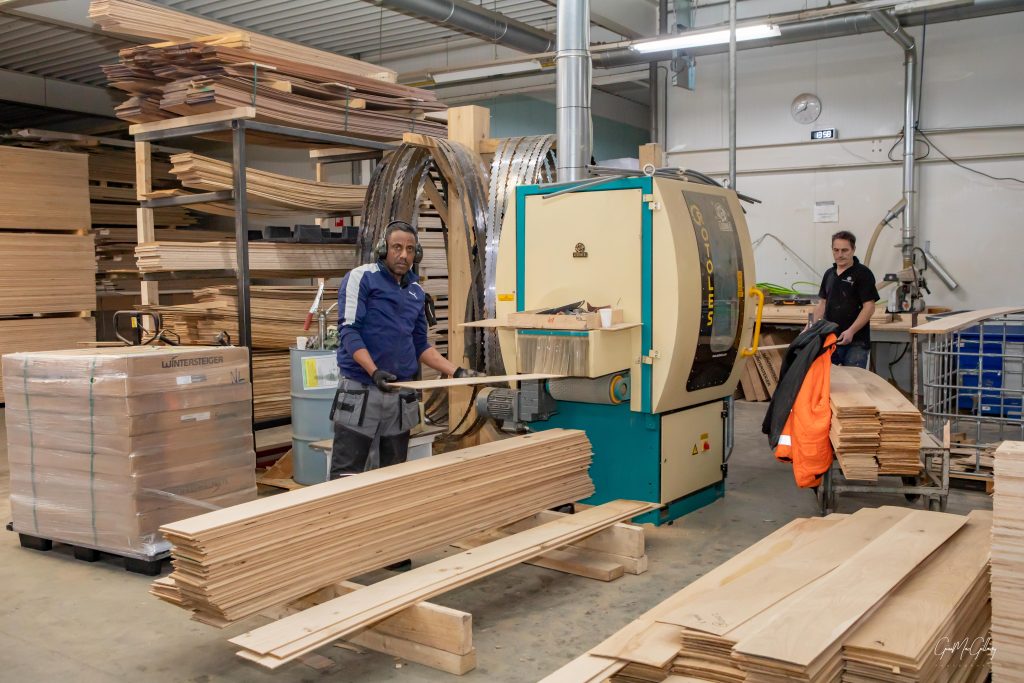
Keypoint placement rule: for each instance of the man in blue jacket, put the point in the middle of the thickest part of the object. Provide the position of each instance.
(382, 329)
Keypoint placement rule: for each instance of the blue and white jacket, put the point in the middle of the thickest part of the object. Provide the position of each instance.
(385, 318)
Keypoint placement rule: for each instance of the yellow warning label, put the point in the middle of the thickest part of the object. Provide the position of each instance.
(704, 437)
(506, 297)
(694, 450)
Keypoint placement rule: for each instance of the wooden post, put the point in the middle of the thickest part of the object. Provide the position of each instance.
(145, 231)
(652, 153)
(466, 125)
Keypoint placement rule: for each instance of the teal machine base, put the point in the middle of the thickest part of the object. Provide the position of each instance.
(627, 458)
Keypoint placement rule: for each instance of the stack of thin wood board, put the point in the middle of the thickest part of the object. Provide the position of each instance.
(856, 428)
(287, 84)
(899, 434)
(1008, 564)
(271, 191)
(782, 314)
(233, 563)
(293, 636)
(265, 259)
(762, 371)
(140, 19)
(788, 607)
(46, 273)
(278, 314)
(43, 334)
(43, 190)
(271, 385)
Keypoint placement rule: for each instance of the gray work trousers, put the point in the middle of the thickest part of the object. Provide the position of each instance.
(363, 413)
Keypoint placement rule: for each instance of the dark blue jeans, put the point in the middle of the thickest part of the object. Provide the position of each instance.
(854, 354)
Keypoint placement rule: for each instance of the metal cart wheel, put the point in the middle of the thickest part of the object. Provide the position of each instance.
(911, 497)
(938, 503)
(826, 495)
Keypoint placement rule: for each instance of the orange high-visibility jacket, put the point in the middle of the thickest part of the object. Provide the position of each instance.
(804, 440)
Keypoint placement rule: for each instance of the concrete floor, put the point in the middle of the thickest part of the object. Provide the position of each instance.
(66, 620)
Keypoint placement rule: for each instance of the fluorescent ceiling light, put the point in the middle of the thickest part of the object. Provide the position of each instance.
(486, 71)
(698, 39)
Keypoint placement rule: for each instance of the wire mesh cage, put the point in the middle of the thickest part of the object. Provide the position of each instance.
(972, 374)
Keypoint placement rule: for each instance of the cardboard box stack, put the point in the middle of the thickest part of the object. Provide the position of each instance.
(107, 445)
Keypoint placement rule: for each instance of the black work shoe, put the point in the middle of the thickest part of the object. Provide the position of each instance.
(403, 566)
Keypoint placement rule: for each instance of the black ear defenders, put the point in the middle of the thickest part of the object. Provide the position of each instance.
(381, 249)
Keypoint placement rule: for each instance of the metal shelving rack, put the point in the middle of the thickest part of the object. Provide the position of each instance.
(238, 123)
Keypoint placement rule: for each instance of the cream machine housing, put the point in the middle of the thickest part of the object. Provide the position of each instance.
(652, 391)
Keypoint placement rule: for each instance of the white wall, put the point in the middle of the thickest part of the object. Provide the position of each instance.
(973, 80)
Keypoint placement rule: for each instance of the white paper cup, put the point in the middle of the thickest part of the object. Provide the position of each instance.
(300, 343)
(606, 317)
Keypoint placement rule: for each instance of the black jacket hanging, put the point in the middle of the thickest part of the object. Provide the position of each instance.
(801, 353)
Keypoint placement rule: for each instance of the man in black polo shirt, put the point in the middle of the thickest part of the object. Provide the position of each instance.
(848, 298)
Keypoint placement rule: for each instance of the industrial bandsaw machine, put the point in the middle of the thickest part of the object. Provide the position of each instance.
(653, 391)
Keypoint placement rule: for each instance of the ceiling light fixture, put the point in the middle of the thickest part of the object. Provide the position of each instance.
(698, 39)
(486, 71)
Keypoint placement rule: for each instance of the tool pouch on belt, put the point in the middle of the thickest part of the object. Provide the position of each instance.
(349, 406)
(409, 409)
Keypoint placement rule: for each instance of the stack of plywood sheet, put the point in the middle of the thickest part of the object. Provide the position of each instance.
(106, 445)
(271, 385)
(872, 421)
(42, 334)
(286, 83)
(935, 624)
(43, 190)
(46, 273)
(1008, 564)
(278, 314)
(784, 314)
(860, 598)
(233, 563)
(140, 19)
(856, 428)
(265, 259)
(47, 258)
(899, 434)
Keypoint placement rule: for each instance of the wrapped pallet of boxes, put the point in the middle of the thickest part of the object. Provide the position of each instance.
(107, 445)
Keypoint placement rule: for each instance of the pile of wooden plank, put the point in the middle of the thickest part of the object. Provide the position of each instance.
(871, 594)
(785, 314)
(47, 257)
(762, 371)
(934, 624)
(287, 194)
(271, 385)
(265, 259)
(46, 273)
(289, 638)
(900, 423)
(856, 428)
(43, 190)
(278, 314)
(140, 19)
(43, 334)
(1008, 564)
(233, 563)
(287, 84)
